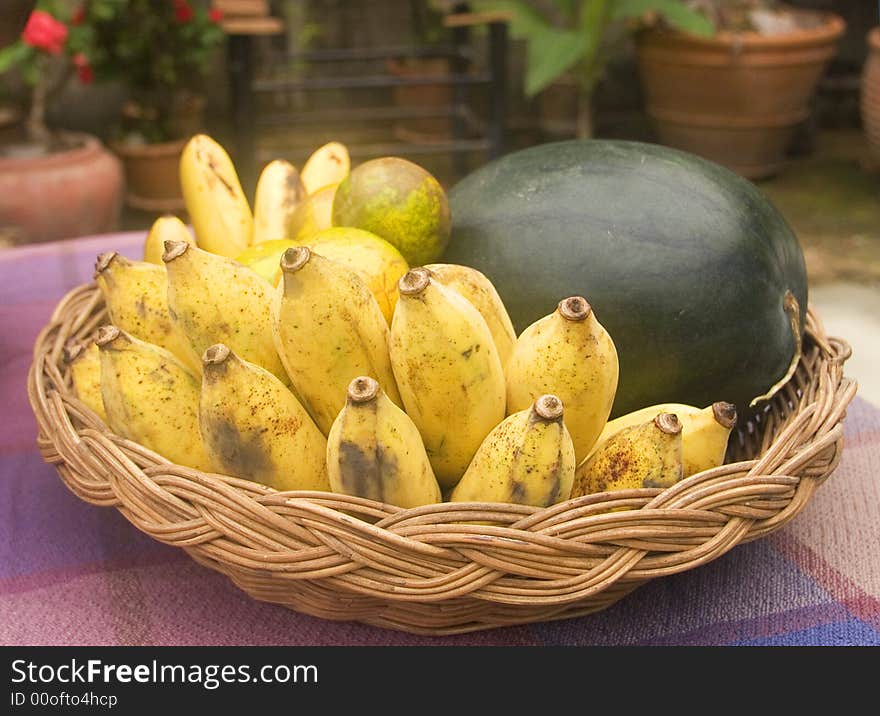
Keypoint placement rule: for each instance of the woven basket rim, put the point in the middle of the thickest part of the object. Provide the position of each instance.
(450, 567)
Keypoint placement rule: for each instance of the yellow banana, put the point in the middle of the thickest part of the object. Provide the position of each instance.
(328, 330)
(217, 206)
(215, 299)
(375, 451)
(150, 397)
(165, 228)
(84, 362)
(643, 455)
(314, 214)
(253, 427)
(528, 459)
(704, 431)
(329, 164)
(448, 371)
(478, 289)
(136, 294)
(569, 354)
(279, 192)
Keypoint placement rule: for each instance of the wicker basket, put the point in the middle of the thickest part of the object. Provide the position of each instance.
(432, 570)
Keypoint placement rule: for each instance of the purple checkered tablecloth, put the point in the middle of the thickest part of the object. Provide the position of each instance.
(72, 573)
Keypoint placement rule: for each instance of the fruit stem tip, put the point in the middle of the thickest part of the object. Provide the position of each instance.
(215, 354)
(363, 389)
(725, 414)
(668, 423)
(293, 259)
(173, 249)
(548, 407)
(106, 334)
(104, 260)
(414, 281)
(575, 308)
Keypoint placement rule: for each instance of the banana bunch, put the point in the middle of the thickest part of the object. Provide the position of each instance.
(268, 347)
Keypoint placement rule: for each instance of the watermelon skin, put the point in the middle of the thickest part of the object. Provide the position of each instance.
(685, 263)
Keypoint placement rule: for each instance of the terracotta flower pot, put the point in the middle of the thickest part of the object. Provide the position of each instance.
(61, 195)
(735, 98)
(152, 175)
(871, 96)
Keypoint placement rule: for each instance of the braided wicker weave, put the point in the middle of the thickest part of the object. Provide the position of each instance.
(446, 568)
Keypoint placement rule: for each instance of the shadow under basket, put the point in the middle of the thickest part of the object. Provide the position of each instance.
(432, 570)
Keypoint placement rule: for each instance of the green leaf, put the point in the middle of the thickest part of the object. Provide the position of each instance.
(14, 54)
(551, 54)
(675, 12)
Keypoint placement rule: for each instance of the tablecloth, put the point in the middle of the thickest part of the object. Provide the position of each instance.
(72, 573)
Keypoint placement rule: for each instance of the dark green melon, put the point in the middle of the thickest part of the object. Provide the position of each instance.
(691, 269)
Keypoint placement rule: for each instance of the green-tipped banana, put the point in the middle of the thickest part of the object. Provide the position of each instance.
(569, 354)
(704, 431)
(328, 330)
(136, 294)
(375, 451)
(217, 206)
(643, 455)
(84, 362)
(448, 371)
(279, 192)
(528, 460)
(478, 289)
(213, 299)
(253, 427)
(165, 228)
(150, 397)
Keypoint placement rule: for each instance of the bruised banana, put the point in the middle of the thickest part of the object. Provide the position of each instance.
(448, 371)
(569, 354)
(213, 299)
(374, 451)
(279, 192)
(644, 455)
(329, 164)
(84, 361)
(478, 289)
(528, 459)
(253, 427)
(328, 330)
(165, 228)
(136, 294)
(217, 206)
(704, 431)
(150, 397)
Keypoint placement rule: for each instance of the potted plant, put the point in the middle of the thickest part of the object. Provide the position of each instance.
(161, 51)
(870, 99)
(54, 184)
(577, 38)
(737, 97)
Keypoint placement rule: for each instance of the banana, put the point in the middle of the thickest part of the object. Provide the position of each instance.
(643, 455)
(448, 371)
(328, 329)
(253, 427)
(569, 354)
(217, 206)
(314, 214)
(136, 294)
(478, 289)
(165, 228)
(84, 362)
(279, 192)
(374, 450)
(150, 397)
(329, 164)
(215, 299)
(528, 459)
(704, 431)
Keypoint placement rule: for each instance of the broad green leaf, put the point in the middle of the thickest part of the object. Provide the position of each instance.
(550, 54)
(13, 54)
(676, 13)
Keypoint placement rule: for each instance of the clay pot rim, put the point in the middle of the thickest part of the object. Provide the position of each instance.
(90, 145)
(832, 28)
(874, 39)
(154, 149)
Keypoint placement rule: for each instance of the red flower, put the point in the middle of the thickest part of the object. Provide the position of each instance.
(215, 14)
(83, 69)
(79, 16)
(45, 32)
(182, 11)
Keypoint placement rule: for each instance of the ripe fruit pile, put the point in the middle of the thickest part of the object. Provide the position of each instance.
(319, 360)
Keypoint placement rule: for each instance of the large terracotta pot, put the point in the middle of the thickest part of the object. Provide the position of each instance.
(69, 193)
(871, 96)
(152, 175)
(735, 98)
